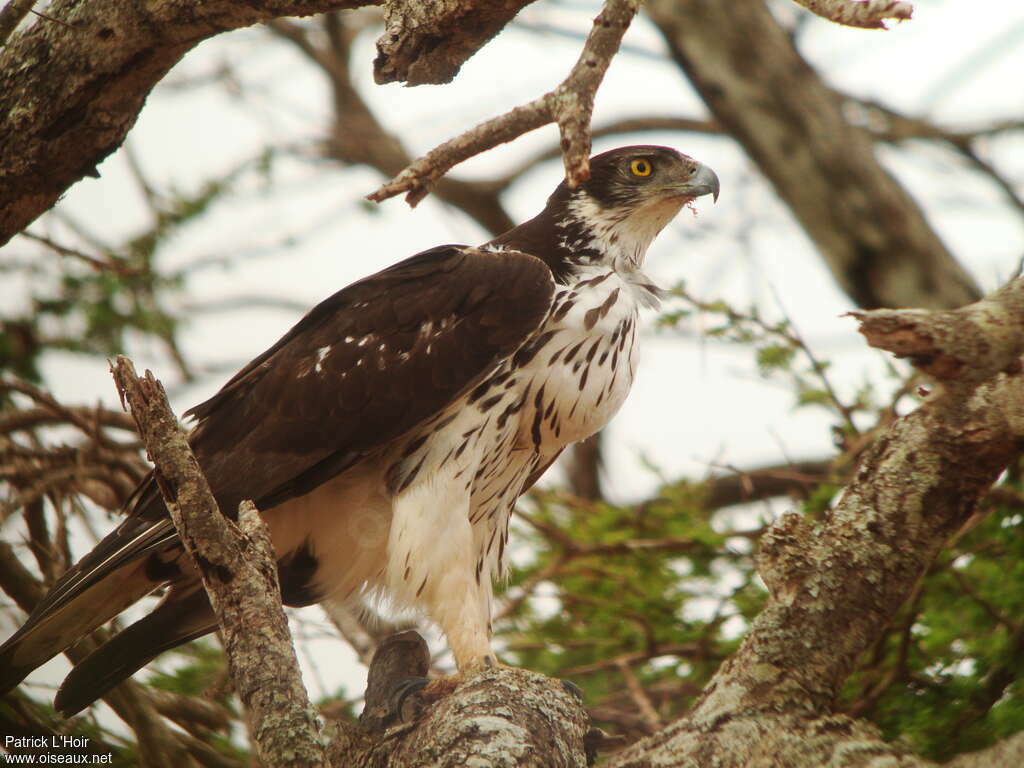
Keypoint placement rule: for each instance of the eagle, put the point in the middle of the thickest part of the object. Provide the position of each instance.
(386, 436)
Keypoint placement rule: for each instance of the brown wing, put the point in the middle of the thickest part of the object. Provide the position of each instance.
(365, 366)
(362, 368)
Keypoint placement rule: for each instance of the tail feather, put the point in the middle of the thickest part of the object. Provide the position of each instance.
(48, 633)
(183, 615)
(117, 573)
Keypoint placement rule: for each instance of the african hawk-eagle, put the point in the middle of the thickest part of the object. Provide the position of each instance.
(387, 435)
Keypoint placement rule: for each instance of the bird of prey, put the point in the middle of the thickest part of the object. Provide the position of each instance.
(386, 437)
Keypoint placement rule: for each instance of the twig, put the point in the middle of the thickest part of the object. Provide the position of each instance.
(639, 697)
(240, 577)
(864, 14)
(99, 265)
(569, 105)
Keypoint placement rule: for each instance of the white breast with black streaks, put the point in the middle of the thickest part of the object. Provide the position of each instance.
(562, 386)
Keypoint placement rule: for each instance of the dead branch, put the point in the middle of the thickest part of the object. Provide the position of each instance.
(569, 105)
(358, 137)
(240, 575)
(970, 344)
(865, 14)
(159, 745)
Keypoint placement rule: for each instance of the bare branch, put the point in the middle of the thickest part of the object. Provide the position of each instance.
(77, 86)
(569, 105)
(864, 14)
(358, 137)
(969, 344)
(239, 573)
(743, 486)
(158, 744)
(499, 717)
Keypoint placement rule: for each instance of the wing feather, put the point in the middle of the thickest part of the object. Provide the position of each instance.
(368, 364)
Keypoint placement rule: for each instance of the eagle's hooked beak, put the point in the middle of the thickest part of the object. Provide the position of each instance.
(702, 182)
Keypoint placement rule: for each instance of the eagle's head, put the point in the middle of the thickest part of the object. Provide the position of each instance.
(611, 218)
(632, 193)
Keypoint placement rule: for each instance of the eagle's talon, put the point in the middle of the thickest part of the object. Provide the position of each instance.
(406, 702)
(401, 704)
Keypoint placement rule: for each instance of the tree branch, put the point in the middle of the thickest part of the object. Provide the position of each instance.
(428, 42)
(569, 105)
(358, 137)
(865, 14)
(11, 15)
(70, 91)
(498, 718)
(240, 576)
(833, 589)
(1002, 754)
(969, 344)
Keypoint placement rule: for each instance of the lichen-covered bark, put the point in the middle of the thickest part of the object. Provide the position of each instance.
(963, 345)
(428, 41)
(240, 576)
(498, 718)
(871, 233)
(73, 84)
(834, 586)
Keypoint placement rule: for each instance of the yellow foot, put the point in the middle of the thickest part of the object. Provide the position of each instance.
(440, 687)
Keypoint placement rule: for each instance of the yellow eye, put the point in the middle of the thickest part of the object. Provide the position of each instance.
(640, 168)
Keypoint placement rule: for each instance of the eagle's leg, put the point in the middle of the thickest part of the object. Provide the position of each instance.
(432, 562)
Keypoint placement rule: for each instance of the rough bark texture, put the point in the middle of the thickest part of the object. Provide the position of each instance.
(497, 718)
(833, 588)
(866, 14)
(240, 575)
(427, 41)
(71, 89)
(871, 233)
(969, 344)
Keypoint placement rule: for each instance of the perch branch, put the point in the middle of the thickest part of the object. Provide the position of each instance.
(969, 344)
(834, 588)
(499, 716)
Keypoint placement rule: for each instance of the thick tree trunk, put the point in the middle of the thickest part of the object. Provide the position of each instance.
(870, 232)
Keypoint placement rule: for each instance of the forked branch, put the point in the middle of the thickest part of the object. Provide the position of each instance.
(569, 105)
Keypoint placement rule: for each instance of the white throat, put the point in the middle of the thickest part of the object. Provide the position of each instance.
(621, 235)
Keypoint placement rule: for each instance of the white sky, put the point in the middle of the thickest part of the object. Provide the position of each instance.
(695, 403)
